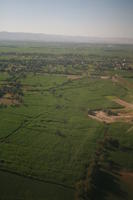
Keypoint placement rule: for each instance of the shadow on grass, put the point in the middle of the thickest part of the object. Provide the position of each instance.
(105, 183)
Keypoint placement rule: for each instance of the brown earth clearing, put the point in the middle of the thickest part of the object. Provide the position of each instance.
(124, 114)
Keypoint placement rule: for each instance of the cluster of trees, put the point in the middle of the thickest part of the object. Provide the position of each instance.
(68, 63)
(113, 63)
(65, 63)
(13, 86)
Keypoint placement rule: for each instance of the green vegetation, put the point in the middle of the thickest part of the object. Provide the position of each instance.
(47, 139)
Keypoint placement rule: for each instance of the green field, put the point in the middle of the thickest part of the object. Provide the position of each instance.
(47, 141)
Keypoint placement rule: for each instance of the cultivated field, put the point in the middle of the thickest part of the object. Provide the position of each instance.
(64, 107)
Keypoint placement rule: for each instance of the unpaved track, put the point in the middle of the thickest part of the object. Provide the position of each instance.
(123, 103)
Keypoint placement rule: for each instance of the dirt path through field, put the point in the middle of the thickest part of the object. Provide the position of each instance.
(123, 103)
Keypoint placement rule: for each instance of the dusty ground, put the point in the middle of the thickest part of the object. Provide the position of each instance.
(8, 99)
(125, 114)
(74, 77)
(123, 103)
(105, 77)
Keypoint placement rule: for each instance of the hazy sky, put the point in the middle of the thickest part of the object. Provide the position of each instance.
(102, 18)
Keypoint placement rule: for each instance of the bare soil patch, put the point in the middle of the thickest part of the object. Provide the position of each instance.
(123, 103)
(8, 99)
(105, 77)
(115, 79)
(74, 77)
(125, 114)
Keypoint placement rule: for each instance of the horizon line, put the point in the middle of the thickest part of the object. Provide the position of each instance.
(56, 34)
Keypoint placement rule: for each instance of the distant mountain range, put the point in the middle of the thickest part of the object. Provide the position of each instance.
(40, 37)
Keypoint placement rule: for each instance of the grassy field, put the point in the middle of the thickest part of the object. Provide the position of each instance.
(47, 142)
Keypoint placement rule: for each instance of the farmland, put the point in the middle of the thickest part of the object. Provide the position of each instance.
(50, 131)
